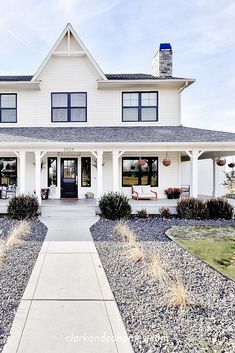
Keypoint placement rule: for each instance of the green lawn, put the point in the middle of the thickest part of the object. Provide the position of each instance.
(215, 245)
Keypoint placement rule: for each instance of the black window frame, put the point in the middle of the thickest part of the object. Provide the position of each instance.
(48, 182)
(1, 109)
(88, 158)
(68, 108)
(16, 170)
(139, 178)
(139, 107)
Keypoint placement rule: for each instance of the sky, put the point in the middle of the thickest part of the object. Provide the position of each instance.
(123, 36)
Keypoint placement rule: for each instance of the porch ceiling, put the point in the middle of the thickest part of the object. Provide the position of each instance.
(107, 134)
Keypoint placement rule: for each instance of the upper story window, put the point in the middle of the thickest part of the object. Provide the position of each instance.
(68, 107)
(8, 108)
(139, 106)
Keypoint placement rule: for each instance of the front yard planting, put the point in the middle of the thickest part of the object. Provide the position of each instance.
(20, 243)
(170, 301)
(215, 245)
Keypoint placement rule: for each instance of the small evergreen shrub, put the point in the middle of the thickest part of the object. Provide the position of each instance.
(142, 213)
(192, 208)
(114, 206)
(23, 207)
(165, 212)
(219, 208)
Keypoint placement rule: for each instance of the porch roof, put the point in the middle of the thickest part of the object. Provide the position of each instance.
(108, 134)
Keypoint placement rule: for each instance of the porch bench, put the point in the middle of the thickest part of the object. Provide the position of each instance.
(143, 192)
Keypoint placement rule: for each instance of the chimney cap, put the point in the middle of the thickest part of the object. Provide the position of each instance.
(165, 46)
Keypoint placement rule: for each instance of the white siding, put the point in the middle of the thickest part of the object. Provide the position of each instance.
(205, 177)
(77, 74)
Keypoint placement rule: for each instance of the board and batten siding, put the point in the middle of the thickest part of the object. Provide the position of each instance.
(104, 106)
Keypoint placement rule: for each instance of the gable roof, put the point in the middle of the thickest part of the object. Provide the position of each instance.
(68, 31)
(108, 134)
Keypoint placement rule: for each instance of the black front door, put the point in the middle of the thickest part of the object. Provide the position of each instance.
(69, 187)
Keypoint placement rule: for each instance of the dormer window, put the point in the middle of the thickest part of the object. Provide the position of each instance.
(69, 107)
(139, 106)
(8, 108)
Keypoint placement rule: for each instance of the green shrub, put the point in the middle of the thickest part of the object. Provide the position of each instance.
(165, 212)
(142, 213)
(23, 207)
(114, 206)
(219, 208)
(192, 208)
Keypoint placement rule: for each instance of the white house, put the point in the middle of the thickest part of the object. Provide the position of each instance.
(74, 129)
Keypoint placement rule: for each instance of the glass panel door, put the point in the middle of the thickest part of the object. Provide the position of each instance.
(69, 188)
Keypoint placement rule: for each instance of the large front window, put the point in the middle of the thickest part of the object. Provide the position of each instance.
(139, 106)
(68, 107)
(139, 171)
(8, 171)
(8, 108)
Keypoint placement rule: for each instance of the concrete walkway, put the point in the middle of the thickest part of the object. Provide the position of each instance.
(68, 305)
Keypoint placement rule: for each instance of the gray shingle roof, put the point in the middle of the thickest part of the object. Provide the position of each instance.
(15, 78)
(109, 77)
(137, 134)
(138, 77)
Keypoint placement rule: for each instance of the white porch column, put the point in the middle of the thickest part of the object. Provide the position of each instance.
(116, 156)
(194, 181)
(214, 178)
(99, 174)
(22, 183)
(194, 154)
(38, 175)
(22, 157)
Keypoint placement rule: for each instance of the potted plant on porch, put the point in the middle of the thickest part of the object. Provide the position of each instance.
(89, 195)
(177, 192)
(169, 193)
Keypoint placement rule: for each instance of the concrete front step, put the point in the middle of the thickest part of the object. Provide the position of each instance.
(76, 210)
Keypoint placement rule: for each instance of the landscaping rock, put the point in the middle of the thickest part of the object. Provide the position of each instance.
(15, 271)
(206, 325)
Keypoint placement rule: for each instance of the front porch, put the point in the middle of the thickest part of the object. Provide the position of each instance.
(72, 172)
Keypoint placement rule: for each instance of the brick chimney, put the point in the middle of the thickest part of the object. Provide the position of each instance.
(162, 61)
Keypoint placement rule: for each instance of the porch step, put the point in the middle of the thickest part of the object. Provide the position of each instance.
(61, 209)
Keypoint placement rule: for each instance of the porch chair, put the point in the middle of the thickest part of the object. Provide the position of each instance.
(143, 192)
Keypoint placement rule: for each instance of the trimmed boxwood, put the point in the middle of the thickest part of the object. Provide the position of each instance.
(114, 206)
(192, 208)
(23, 207)
(219, 208)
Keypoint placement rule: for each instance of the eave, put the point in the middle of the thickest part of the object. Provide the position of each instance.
(178, 83)
(20, 85)
(110, 146)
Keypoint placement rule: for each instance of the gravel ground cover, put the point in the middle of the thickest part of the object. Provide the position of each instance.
(16, 270)
(205, 326)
